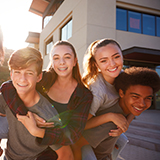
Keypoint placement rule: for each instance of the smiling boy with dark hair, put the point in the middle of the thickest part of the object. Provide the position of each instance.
(136, 87)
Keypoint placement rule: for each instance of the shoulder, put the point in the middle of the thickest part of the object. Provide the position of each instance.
(98, 86)
(83, 91)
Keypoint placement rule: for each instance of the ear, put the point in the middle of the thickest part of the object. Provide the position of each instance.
(121, 94)
(39, 77)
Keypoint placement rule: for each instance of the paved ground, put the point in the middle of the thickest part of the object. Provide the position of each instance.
(132, 152)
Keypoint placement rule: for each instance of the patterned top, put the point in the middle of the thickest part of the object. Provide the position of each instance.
(74, 119)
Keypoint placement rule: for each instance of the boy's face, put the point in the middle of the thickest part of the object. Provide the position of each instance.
(24, 80)
(136, 99)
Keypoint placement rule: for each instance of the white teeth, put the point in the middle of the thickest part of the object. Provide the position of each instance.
(22, 85)
(138, 109)
(112, 69)
(62, 69)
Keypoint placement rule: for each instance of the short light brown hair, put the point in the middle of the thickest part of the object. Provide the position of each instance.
(25, 57)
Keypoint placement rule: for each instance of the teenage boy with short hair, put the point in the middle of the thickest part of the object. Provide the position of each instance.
(26, 70)
(136, 87)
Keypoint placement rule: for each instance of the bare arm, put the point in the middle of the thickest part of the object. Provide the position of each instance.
(117, 132)
(116, 118)
(29, 122)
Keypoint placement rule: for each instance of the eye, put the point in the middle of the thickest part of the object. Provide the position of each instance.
(17, 72)
(135, 97)
(55, 58)
(116, 57)
(68, 57)
(103, 61)
(30, 73)
(149, 98)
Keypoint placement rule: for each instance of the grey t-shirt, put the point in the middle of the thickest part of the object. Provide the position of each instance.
(21, 145)
(100, 133)
(104, 95)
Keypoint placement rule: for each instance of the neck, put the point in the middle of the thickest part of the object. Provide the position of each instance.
(30, 99)
(123, 106)
(109, 79)
(64, 81)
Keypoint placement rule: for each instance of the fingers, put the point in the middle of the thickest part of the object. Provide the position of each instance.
(3, 115)
(47, 124)
(39, 119)
(116, 132)
(41, 122)
(22, 118)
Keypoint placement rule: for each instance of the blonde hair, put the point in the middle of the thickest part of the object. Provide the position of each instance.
(24, 57)
(90, 68)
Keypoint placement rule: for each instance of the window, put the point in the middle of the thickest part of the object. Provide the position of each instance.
(49, 45)
(134, 22)
(46, 20)
(66, 31)
(158, 26)
(137, 22)
(148, 24)
(121, 21)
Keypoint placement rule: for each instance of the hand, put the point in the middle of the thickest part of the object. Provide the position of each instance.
(3, 115)
(41, 122)
(120, 121)
(29, 122)
(116, 132)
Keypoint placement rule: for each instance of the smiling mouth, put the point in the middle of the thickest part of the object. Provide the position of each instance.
(138, 109)
(112, 70)
(21, 85)
(62, 69)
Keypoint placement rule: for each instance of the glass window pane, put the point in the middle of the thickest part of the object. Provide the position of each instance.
(148, 24)
(158, 26)
(49, 47)
(121, 19)
(69, 29)
(134, 22)
(66, 31)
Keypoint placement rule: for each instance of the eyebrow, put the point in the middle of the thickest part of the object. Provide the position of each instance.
(64, 54)
(140, 95)
(111, 56)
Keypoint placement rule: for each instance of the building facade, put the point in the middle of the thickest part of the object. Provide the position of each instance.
(134, 24)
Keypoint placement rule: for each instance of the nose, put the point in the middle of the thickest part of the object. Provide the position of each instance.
(22, 77)
(142, 102)
(62, 61)
(112, 62)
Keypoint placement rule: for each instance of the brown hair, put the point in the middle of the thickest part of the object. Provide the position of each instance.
(24, 57)
(50, 76)
(89, 65)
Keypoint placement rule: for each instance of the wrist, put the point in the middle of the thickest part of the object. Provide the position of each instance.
(111, 116)
(39, 132)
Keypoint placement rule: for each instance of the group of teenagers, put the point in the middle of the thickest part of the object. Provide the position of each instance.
(52, 114)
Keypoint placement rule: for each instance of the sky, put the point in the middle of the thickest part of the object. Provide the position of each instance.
(16, 21)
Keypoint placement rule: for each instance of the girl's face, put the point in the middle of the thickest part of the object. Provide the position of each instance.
(63, 60)
(109, 60)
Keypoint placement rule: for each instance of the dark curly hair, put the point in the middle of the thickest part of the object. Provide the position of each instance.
(137, 76)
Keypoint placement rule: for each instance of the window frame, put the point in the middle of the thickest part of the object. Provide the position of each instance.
(156, 18)
(63, 27)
